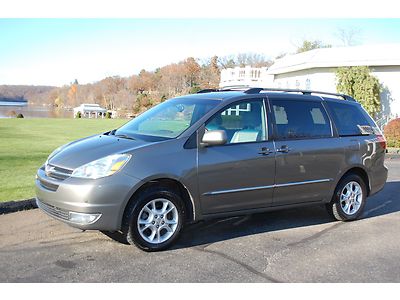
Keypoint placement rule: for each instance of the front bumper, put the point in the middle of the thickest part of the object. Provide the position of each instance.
(86, 203)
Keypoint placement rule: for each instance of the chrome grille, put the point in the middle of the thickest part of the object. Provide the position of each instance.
(57, 172)
(53, 211)
(48, 185)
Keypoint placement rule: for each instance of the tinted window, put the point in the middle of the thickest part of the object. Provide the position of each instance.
(244, 122)
(300, 119)
(349, 119)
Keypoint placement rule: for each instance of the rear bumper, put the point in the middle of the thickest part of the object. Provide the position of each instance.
(378, 180)
(100, 202)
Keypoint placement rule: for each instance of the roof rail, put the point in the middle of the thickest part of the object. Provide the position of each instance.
(255, 90)
(304, 92)
(225, 89)
(206, 91)
(238, 86)
(229, 88)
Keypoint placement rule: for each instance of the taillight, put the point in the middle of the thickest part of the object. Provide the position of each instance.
(382, 141)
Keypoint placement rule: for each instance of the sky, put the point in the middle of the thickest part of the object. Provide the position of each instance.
(57, 51)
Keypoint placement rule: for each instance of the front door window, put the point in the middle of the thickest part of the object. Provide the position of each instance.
(243, 122)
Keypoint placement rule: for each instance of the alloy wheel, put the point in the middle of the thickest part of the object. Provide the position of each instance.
(351, 198)
(158, 221)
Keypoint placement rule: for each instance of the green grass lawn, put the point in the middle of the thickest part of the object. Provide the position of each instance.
(26, 143)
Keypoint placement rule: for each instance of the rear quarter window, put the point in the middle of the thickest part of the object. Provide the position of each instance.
(349, 119)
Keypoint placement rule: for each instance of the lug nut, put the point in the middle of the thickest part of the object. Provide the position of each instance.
(153, 222)
(158, 226)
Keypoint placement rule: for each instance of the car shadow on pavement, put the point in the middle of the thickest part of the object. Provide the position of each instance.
(385, 202)
(217, 230)
(208, 232)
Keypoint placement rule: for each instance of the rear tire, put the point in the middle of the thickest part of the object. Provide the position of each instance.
(349, 199)
(154, 219)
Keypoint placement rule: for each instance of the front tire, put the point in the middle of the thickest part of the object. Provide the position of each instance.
(154, 219)
(349, 198)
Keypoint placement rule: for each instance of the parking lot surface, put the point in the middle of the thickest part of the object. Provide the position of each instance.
(296, 245)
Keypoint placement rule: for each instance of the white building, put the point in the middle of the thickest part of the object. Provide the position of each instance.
(90, 110)
(315, 70)
(245, 76)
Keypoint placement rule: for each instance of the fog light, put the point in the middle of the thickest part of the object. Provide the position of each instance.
(83, 219)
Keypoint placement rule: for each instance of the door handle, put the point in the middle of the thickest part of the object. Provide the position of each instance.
(265, 151)
(283, 149)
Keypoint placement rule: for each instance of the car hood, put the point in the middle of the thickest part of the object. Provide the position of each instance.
(89, 149)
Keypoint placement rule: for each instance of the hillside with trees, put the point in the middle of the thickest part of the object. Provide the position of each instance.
(39, 94)
(138, 92)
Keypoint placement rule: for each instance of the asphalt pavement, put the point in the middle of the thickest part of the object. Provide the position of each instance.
(296, 245)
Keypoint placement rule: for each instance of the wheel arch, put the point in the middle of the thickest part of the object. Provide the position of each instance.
(172, 184)
(360, 172)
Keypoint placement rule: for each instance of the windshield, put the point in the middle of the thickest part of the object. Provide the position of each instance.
(168, 119)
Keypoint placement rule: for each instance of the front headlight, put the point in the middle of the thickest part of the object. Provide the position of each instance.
(102, 167)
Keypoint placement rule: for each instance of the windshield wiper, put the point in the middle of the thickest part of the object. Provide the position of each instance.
(124, 136)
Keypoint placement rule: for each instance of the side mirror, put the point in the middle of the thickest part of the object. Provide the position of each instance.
(214, 138)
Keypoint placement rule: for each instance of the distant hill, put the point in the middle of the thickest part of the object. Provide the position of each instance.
(24, 92)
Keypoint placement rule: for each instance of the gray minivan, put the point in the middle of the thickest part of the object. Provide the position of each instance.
(213, 154)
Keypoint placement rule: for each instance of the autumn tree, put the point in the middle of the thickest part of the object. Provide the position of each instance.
(55, 99)
(172, 80)
(72, 95)
(361, 85)
(145, 81)
(112, 86)
(192, 71)
(210, 73)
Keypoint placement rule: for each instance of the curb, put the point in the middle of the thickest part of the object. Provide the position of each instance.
(14, 206)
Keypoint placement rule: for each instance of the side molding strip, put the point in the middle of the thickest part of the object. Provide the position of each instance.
(266, 187)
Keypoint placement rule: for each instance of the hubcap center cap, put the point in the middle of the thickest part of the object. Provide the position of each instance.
(158, 221)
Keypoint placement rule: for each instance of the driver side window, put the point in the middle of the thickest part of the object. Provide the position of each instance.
(243, 122)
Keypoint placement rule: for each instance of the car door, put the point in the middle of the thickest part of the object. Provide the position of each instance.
(239, 174)
(308, 156)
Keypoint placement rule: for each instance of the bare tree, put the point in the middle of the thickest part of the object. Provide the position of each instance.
(349, 36)
(252, 59)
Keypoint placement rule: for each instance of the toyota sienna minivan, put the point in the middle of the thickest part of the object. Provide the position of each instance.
(213, 154)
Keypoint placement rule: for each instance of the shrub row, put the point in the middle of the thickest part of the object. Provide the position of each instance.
(392, 133)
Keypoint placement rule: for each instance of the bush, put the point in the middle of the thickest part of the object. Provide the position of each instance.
(392, 133)
(20, 116)
(359, 83)
(78, 115)
(108, 115)
(12, 114)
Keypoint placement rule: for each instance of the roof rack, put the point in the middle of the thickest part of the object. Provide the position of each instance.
(255, 90)
(206, 91)
(229, 88)
(304, 92)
